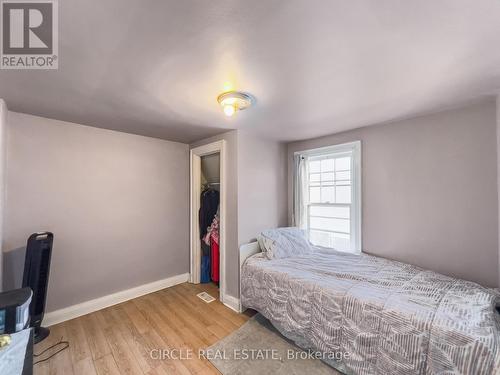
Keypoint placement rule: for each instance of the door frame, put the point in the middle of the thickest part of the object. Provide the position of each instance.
(195, 192)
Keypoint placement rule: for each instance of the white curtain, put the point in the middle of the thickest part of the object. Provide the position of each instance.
(300, 193)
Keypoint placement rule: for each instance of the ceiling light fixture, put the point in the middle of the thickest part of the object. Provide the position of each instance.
(233, 101)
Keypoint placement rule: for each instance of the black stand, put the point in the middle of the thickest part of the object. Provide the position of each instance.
(36, 277)
(41, 333)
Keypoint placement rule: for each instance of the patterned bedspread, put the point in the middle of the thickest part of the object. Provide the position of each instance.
(380, 316)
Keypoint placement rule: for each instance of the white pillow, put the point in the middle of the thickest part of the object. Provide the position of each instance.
(284, 242)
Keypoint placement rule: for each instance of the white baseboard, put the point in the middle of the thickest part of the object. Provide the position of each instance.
(87, 307)
(232, 302)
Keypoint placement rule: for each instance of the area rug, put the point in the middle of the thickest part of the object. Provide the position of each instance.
(258, 348)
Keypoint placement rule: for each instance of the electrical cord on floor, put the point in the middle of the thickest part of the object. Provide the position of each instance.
(61, 342)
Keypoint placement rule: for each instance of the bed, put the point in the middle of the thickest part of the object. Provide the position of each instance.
(378, 316)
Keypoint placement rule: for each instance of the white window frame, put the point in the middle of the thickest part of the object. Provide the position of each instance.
(356, 209)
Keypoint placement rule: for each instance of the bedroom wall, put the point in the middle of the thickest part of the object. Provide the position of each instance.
(118, 205)
(429, 190)
(262, 178)
(3, 126)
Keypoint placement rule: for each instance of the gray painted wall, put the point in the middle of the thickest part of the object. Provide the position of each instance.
(416, 174)
(117, 203)
(429, 190)
(262, 179)
(3, 126)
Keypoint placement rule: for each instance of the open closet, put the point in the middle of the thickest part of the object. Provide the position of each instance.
(209, 219)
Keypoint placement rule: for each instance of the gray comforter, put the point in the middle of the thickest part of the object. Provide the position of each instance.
(378, 316)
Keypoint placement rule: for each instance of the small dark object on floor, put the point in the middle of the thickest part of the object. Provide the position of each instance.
(64, 345)
(36, 277)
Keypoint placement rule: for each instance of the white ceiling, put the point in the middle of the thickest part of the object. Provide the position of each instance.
(316, 67)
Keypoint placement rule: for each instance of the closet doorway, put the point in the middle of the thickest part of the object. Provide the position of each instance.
(208, 186)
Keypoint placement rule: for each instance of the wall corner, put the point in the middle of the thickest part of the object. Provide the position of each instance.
(498, 177)
(3, 130)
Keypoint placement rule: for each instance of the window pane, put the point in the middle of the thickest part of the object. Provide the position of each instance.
(341, 225)
(319, 223)
(336, 225)
(314, 195)
(315, 166)
(320, 238)
(315, 177)
(343, 175)
(327, 194)
(340, 212)
(341, 241)
(337, 241)
(342, 164)
(327, 165)
(328, 176)
(343, 194)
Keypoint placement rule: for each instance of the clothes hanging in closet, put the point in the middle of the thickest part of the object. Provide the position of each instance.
(209, 203)
(214, 262)
(212, 239)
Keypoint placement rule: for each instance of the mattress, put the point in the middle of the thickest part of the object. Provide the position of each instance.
(368, 315)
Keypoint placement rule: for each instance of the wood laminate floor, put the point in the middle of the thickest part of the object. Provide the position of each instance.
(120, 339)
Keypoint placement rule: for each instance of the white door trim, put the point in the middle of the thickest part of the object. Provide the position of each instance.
(195, 191)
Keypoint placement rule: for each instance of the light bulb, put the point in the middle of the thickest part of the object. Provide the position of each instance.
(229, 110)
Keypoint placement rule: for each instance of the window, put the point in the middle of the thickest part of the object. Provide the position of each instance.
(327, 196)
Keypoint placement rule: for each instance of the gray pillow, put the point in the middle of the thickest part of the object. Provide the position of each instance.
(284, 242)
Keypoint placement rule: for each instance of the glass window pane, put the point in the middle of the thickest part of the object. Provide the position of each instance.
(341, 225)
(327, 194)
(343, 194)
(337, 241)
(315, 177)
(336, 225)
(319, 238)
(327, 165)
(341, 242)
(328, 176)
(319, 223)
(314, 194)
(340, 212)
(342, 164)
(315, 166)
(343, 175)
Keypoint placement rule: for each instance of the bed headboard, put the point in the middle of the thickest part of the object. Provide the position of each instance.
(248, 250)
